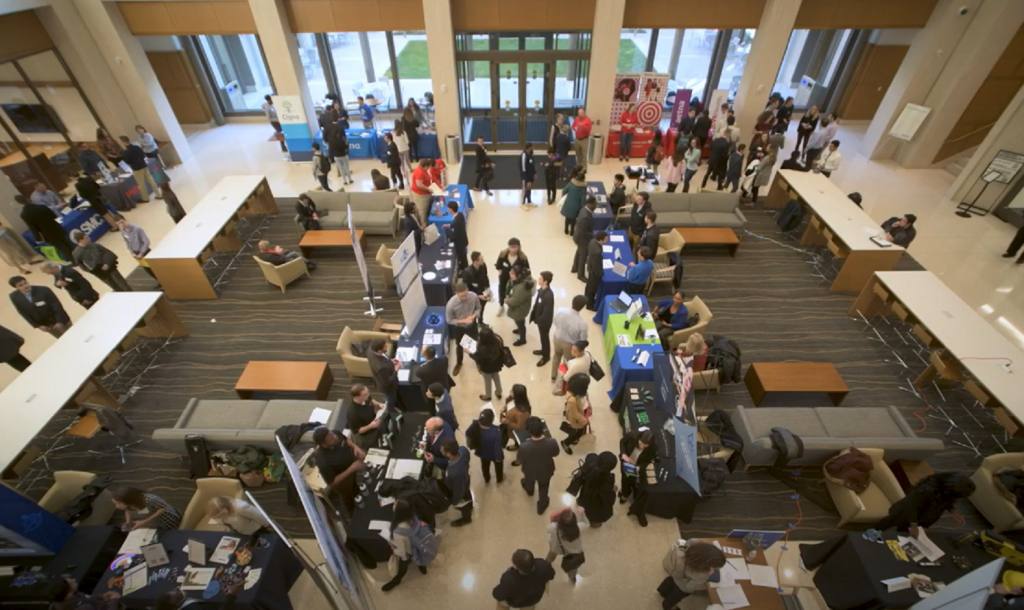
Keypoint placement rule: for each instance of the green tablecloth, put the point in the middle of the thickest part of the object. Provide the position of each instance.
(616, 326)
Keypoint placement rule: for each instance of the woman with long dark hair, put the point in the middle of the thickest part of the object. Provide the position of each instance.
(108, 146)
(514, 415)
(490, 357)
(564, 540)
(143, 510)
(671, 170)
(636, 449)
(402, 522)
(689, 568)
(576, 408)
(597, 494)
(411, 222)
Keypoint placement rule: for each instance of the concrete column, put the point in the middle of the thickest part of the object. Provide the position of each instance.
(437, 17)
(126, 60)
(944, 68)
(677, 49)
(364, 46)
(281, 48)
(604, 56)
(766, 53)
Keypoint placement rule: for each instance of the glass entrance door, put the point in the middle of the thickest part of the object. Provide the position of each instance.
(507, 104)
(522, 102)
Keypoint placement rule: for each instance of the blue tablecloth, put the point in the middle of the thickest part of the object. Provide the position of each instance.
(364, 144)
(611, 282)
(603, 311)
(464, 199)
(603, 216)
(83, 219)
(624, 369)
(426, 146)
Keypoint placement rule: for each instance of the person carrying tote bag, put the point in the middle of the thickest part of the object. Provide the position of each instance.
(576, 409)
(564, 539)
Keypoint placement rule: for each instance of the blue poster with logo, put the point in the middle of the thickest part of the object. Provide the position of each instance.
(686, 454)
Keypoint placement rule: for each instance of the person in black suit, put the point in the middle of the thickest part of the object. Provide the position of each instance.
(641, 208)
(595, 268)
(385, 371)
(582, 233)
(39, 306)
(394, 162)
(543, 314)
(475, 278)
(175, 599)
(651, 233)
(484, 167)
(308, 216)
(460, 239)
(636, 448)
(74, 282)
(44, 226)
(527, 173)
(10, 349)
(433, 369)
(89, 190)
(537, 457)
(99, 261)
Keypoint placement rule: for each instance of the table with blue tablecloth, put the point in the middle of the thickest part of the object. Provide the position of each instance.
(438, 267)
(603, 309)
(458, 193)
(83, 218)
(624, 366)
(426, 146)
(603, 215)
(611, 282)
(364, 144)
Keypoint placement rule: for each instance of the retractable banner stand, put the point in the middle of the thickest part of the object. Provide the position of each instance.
(361, 263)
(680, 107)
(294, 126)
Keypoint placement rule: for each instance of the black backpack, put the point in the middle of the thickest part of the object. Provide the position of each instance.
(712, 473)
(425, 491)
(473, 436)
(325, 163)
(576, 481)
(198, 456)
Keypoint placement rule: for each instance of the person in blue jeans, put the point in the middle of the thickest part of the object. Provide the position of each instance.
(692, 158)
(365, 112)
(640, 271)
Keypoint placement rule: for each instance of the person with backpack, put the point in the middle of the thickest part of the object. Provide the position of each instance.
(490, 358)
(636, 452)
(514, 415)
(597, 494)
(412, 541)
(564, 540)
(456, 480)
(484, 438)
(689, 567)
(321, 167)
(655, 153)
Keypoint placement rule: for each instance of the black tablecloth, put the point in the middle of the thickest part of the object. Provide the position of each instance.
(84, 557)
(851, 570)
(367, 543)
(673, 499)
(280, 570)
(442, 288)
(409, 395)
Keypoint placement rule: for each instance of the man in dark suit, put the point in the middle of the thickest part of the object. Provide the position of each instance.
(433, 370)
(385, 371)
(484, 167)
(39, 306)
(641, 208)
(537, 457)
(307, 214)
(438, 431)
(582, 233)
(651, 233)
(595, 267)
(99, 261)
(457, 229)
(10, 349)
(543, 314)
(77, 286)
(44, 226)
(443, 400)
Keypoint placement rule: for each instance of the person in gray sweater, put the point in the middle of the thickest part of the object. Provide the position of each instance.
(564, 540)
(456, 480)
(537, 457)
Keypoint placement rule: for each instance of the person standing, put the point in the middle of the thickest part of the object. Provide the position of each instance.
(443, 405)
(339, 150)
(828, 162)
(537, 457)
(148, 143)
(419, 187)
(404, 523)
(174, 208)
(45, 228)
(460, 239)
(10, 350)
(271, 113)
(461, 313)
(39, 307)
(410, 223)
(402, 141)
(577, 408)
(763, 173)
(564, 540)
(89, 190)
(433, 369)
(718, 160)
(581, 129)
(384, 371)
(137, 242)
(562, 145)
(527, 173)
(99, 261)
(487, 438)
(509, 257)
(524, 584)
(490, 359)
(542, 314)
(1015, 244)
(583, 232)
(551, 169)
(821, 138)
(689, 567)
(735, 169)
(595, 268)
(637, 450)
(597, 494)
(365, 112)
(321, 167)
(627, 127)
(45, 197)
(14, 251)
(651, 234)
(783, 116)
(702, 128)
(637, 222)
(671, 170)
(692, 159)
(617, 198)
(569, 328)
(484, 167)
(575, 195)
(456, 480)
(78, 288)
(475, 278)
(411, 125)
(108, 146)
(513, 416)
(808, 123)
(520, 289)
(394, 162)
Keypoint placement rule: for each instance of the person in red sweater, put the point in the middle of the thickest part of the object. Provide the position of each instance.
(581, 129)
(627, 127)
(437, 168)
(420, 188)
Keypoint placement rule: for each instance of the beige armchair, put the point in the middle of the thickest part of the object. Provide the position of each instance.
(387, 273)
(669, 241)
(693, 306)
(282, 275)
(194, 517)
(873, 505)
(1000, 512)
(707, 380)
(355, 365)
(67, 484)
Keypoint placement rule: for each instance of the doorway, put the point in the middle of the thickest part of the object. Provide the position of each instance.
(523, 102)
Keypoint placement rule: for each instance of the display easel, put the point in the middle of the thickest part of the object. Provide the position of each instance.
(1002, 170)
(357, 248)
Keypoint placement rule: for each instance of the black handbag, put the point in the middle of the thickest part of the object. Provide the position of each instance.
(507, 358)
(565, 427)
(573, 561)
(595, 369)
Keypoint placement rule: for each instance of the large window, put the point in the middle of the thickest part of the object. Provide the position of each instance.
(634, 46)
(312, 66)
(413, 64)
(735, 60)
(812, 62)
(238, 70)
(362, 64)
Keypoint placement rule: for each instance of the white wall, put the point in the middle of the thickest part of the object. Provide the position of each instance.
(159, 43)
(894, 38)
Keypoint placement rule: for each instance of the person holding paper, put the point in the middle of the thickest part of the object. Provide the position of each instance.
(338, 460)
(461, 312)
(927, 501)
(384, 370)
(237, 515)
(363, 417)
(689, 567)
(143, 510)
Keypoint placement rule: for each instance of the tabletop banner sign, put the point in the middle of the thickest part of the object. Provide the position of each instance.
(680, 107)
(27, 529)
(686, 454)
(664, 389)
(294, 126)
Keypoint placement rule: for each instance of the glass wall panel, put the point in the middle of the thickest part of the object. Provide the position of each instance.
(695, 55)
(316, 78)
(413, 64)
(238, 70)
(363, 66)
(816, 55)
(633, 48)
(735, 59)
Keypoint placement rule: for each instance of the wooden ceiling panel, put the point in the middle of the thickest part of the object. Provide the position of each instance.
(401, 14)
(882, 64)
(572, 15)
(474, 15)
(22, 34)
(309, 16)
(815, 14)
(522, 15)
(354, 16)
(737, 14)
(1010, 61)
(147, 18)
(990, 101)
(192, 17)
(234, 17)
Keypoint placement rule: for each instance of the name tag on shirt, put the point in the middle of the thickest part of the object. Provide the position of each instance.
(40, 303)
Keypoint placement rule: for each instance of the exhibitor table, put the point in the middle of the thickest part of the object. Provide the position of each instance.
(761, 598)
(438, 280)
(177, 261)
(279, 569)
(66, 373)
(459, 193)
(124, 194)
(624, 361)
(611, 282)
(674, 498)
(410, 396)
(603, 309)
(603, 215)
(850, 226)
(362, 143)
(642, 140)
(83, 218)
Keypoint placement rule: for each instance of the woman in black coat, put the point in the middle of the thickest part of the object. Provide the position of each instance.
(927, 501)
(305, 211)
(10, 349)
(411, 223)
(490, 359)
(638, 449)
(411, 126)
(597, 495)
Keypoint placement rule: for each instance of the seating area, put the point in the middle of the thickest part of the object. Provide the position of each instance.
(707, 209)
(375, 213)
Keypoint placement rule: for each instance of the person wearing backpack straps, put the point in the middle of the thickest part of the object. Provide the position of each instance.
(321, 167)
(564, 540)
(411, 542)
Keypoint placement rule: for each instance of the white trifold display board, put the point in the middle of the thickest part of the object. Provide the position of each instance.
(408, 283)
(360, 259)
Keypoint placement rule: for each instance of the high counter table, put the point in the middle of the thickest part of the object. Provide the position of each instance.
(178, 259)
(65, 373)
(849, 224)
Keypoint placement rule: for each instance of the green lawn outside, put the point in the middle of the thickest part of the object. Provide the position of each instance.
(631, 59)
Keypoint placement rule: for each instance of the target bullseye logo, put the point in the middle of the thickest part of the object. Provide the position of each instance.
(649, 113)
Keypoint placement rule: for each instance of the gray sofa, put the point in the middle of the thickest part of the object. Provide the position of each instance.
(227, 424)
(698, 210)
(374, 213)
(828, 430)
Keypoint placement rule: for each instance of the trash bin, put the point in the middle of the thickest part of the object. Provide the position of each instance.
(452, 150)
(596, 155)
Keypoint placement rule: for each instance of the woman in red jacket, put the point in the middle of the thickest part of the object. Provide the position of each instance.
(627, 127)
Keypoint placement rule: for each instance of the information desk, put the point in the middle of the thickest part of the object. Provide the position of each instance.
(851, 570)
(963, 332)
(761, 598)
(850, 226)
(124, 194)
(177, 261)
(611, 282)
(65, 375)
(459, 193)
(362, 143)
(279, 569)
(410, 396)
(368, 542)
(603, 215)
(438, 283)
(673, 499)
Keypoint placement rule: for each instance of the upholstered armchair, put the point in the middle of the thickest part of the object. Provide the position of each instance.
(387, 273)
(694, 306)
(282, 275)
(873, 505)
(67, 484)
(194, 517)
(357, 366)
(1000, 512)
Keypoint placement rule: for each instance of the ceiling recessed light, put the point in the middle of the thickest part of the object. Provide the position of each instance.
(987, 308)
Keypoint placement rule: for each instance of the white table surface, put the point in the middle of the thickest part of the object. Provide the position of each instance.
(35, 396)
(964, 332)
(835, 209)
(190, 237)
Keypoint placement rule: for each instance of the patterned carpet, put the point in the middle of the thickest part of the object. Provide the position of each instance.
(765, 299)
